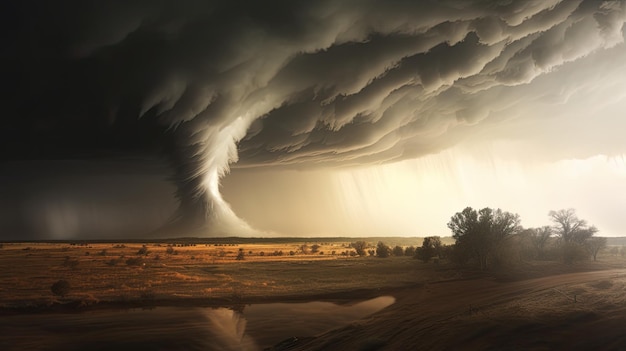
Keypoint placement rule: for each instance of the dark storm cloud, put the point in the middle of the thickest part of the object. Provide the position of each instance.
(287, 83)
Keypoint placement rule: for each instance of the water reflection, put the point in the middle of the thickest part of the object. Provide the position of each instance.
(180, 328)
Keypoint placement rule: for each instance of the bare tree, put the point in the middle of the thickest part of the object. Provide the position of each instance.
(574, 233)
(595, 245)
(569, 228)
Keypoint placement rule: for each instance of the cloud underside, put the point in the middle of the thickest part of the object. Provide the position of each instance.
(334, 83)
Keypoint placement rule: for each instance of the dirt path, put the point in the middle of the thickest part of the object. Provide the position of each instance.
(478, 314)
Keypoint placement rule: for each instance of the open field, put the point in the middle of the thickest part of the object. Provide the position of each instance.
(538, 305)
(116, 272)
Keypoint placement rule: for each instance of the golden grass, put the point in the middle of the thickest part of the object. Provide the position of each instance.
(99, 272)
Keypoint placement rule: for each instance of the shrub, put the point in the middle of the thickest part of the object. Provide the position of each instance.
(423, 254)
(315, 248)
(71, 263)
(398, 251)
(169, 250)
(134, 261)
(240, 255)
(382, 250)
(573, 252)
(409, 251)
(360, 247)
(143, 250)
(60, 288)
(458, 256)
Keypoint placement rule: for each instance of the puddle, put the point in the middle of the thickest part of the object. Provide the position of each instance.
(251, 327)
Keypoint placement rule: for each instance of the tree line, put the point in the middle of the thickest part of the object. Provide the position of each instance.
(491, 237)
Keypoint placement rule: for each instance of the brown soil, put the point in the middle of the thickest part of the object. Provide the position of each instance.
(575, 311)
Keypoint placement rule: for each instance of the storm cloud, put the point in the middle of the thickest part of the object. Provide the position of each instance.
(296, 84)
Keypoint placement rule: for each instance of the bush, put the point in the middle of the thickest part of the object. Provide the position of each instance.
(458, 256)
(143, 250)
(169, 250)
(60, 288)
(112, 262)
(398, 251)
(134, 261)
(382, 250)
(71, 263)
(573, 252)
(240, 255)
(315, 248)
(423, 254)
(360, 247)
(409, 251)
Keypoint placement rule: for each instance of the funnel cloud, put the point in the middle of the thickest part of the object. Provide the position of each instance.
(293, 84)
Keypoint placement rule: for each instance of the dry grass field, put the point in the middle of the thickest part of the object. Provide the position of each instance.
(100, 273)
(538, 305)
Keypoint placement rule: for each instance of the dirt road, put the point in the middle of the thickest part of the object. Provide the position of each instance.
(483, 314)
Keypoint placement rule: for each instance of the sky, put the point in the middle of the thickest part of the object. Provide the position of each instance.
(300, 118)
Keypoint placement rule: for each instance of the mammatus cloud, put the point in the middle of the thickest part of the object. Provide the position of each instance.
(324, 83)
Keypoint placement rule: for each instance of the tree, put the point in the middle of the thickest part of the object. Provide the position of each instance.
(382, 250)
(315, 248)
(574, 233)
(143, 250)
(481, 234)
(60, 288)
(569, 228)
(398, 251)
(595, 245)
(359, 247)
(539, 238)
(431, 246)
(409, 251)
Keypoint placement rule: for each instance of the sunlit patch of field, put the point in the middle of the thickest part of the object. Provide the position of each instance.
(126, 272)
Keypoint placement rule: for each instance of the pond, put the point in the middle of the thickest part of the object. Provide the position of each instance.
(249, 327)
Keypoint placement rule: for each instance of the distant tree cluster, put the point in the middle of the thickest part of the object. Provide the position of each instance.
(431, 247)
(491, 237)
